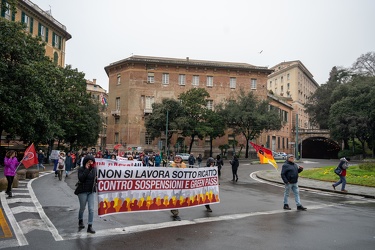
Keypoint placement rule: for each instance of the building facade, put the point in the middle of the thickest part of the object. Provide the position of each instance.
(100, 95)
(137, 82)
(293, 82)
(279, 141)
(42, 24)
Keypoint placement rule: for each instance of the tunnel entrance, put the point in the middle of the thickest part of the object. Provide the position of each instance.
(319, 148)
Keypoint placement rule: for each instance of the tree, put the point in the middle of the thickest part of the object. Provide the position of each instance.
(156, 123)
(365, 65)
(249, 116)
(79, 111)
(195, 106)
(22, 79)
(41, 102)
(320, 102)
(214, 126)
(351, 115)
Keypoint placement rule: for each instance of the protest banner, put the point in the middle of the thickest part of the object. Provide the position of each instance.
(126, 186)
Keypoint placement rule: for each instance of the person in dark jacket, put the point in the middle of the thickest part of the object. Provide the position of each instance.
(191, 160)
(68, 163)
(199, 160)
(87, 178)
(41, 160)
(219, 164)
(235, 163)
(289, 174)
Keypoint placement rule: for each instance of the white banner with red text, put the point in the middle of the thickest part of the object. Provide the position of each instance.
(126, 186)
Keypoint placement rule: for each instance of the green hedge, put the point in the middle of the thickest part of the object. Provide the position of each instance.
(369, 166)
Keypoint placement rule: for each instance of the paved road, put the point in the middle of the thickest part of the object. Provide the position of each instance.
(43, 215)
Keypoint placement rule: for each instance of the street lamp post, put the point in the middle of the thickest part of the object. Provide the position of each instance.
(166, 137)
(296, 145)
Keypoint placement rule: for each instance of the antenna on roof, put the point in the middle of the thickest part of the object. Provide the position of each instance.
(49, 12)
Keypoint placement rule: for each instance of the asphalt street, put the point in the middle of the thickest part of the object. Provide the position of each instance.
(43, 215)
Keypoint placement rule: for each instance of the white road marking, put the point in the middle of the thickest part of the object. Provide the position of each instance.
(32, 224)
(22, 241)
(148, 227)
(24, 209)
(8, 244)
(19, 200)
(42, 214)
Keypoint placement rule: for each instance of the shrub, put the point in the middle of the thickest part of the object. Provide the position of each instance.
(369, 166)
(349, 152)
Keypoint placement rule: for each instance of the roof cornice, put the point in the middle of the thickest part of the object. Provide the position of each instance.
(46, 17)
(188, 62)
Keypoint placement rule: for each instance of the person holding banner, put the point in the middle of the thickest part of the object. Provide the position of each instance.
(87, 179)
(210, 163)
(10, 166)
(177, 163)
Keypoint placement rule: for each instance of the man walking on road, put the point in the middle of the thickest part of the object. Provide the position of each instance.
(289, 174)
(41, 160)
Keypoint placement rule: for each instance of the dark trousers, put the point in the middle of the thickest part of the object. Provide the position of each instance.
(10, 183)
(234, 172)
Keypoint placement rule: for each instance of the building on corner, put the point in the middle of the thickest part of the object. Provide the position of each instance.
(42, 24)
(135, 83)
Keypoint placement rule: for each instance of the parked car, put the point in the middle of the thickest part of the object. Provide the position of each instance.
(184, 156)
(283, 154)
(278, 156)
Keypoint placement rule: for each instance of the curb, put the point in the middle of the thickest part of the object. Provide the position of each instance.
(315, 188)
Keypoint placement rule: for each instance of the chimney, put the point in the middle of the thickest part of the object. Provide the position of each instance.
(187, 58)
(94, 81)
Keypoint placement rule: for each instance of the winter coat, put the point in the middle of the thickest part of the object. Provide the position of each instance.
(344, 164)
(235, 163)
(87, 178)
(69, 163)
(10, 166)
(40, 158)
(219, 163)
(191, 160)
(157, 160)
(289, 172)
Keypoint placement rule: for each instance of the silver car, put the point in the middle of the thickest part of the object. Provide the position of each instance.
(184, 156)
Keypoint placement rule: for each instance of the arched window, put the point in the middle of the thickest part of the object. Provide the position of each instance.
(55, 58)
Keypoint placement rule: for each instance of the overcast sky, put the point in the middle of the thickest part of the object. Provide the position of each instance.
(319, 33)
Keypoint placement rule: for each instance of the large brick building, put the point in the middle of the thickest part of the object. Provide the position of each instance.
(138, 81)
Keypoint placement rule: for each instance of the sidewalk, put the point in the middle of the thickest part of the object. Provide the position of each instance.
(274, 176)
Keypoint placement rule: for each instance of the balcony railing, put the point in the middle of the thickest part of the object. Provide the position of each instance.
(116, 112)
(148, 111)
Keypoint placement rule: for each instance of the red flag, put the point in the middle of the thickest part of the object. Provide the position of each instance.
(265, 155)
(30, 158)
